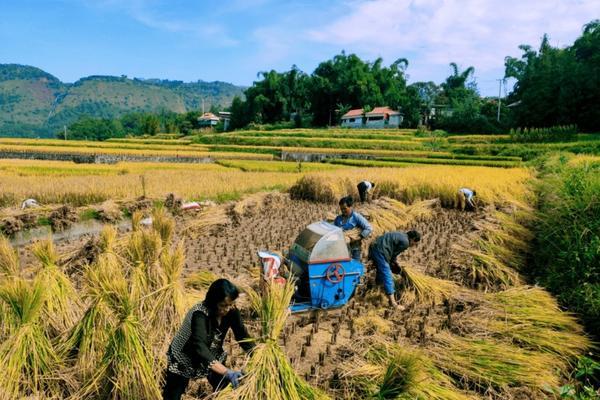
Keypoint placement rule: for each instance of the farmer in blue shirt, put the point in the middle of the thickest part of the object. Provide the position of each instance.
(383, 251)
(350, 219)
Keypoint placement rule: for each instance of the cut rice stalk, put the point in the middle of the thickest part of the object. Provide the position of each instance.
(269, 374)
(425, 288)
(201, 280)
(28, 360)
(485, 363)
(168, 305)
(88, 338)
(206, 221)
(530, 317)
(126, 368)
(61, 306)
(390, 371)
(9, 258)
(163, 224)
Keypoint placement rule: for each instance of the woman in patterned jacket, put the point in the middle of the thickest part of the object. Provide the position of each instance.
(197, 348)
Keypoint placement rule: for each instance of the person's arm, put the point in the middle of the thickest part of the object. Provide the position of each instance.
(470, 200)
(198, 339)
(240, 332)
(363, 224)
(338, 221)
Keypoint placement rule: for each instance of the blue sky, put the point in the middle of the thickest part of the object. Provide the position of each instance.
(233, 40)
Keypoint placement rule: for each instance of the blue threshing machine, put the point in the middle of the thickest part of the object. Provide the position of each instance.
(320, 260)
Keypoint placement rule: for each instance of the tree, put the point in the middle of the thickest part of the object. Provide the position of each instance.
(150, 125)
(87, 128)
(558, 86)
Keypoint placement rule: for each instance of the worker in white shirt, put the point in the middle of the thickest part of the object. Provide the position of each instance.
(465, 200)
(29, 203)
(363, 190)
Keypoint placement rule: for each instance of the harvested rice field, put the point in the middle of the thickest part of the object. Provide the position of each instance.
(99, 310)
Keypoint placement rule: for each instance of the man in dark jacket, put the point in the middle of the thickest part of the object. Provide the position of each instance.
(383, 251)
(197, 348)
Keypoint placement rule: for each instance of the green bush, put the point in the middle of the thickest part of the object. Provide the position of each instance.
(551, 134)
(567, 256)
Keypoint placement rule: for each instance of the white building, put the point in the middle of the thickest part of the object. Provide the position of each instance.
(208, 120)
(379, 117)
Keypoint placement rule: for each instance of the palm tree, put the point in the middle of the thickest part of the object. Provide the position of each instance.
(457, 80)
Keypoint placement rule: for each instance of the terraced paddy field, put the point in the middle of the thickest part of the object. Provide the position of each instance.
(472, 327)
(98, 304)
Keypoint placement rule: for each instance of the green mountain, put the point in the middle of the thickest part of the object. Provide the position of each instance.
(36, 103)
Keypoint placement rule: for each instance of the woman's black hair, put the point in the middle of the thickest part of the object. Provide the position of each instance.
(218, 291)
(414, 236)
(474, 193)
(348, 201)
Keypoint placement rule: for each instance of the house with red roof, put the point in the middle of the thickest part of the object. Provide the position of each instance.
(379, 117)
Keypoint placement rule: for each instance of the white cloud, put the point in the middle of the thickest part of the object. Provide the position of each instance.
(472, 32)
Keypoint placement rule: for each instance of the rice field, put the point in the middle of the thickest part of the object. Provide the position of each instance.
(99, 310)
(101, 320)
(81, 184)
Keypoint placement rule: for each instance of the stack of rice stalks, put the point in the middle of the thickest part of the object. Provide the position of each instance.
(61, 307)
(420, 287)
(385, 214)
(134, 299)
(201, 280)
(9, 259)
(206, 221)
(315, 188)
(391, 371)
(125, 370)
(85, 342)
(372, 324)
(531, 318)
(269, 374)
(487, 363)
(9, 268)
(30, 364)
(493, 254)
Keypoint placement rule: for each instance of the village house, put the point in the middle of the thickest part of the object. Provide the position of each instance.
(208, 120)
(379, 117)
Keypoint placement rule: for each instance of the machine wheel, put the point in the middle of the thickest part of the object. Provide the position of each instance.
(335, 273)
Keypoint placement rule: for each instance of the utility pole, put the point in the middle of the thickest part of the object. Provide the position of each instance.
(499, 89)
(65, 128)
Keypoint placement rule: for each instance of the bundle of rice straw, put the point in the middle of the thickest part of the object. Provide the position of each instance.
(531, 317)
(426, 288)
(9, 258)
(126, 368)
(390, 371)
(206, 221)
(87, 340)
(163, 224)
(168, 304)
(201, 280)
(269, 374)
(61, 307)
(28, 359)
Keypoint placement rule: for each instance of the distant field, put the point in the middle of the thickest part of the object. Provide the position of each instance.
(81, 184)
